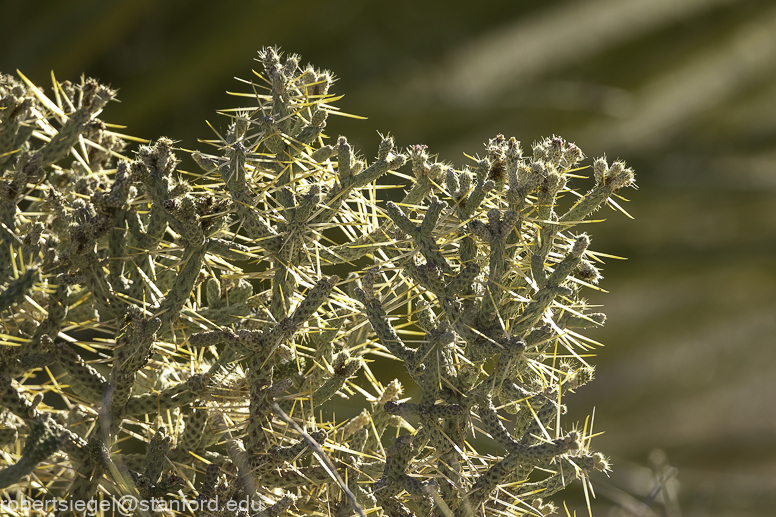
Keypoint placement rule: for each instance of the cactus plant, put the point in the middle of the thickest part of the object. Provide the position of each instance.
(173, 336)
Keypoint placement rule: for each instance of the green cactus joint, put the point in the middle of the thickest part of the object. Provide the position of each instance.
(179, 335)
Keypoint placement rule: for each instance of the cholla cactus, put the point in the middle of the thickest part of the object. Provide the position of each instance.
(173, 337)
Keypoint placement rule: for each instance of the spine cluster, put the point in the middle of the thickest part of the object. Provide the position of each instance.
(176, 335)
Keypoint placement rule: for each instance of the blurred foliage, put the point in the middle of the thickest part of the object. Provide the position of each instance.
(684, 89)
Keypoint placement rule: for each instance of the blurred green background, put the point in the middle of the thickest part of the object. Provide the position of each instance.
(683, 90)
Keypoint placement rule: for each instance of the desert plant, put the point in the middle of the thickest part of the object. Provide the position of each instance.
(176, 337)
